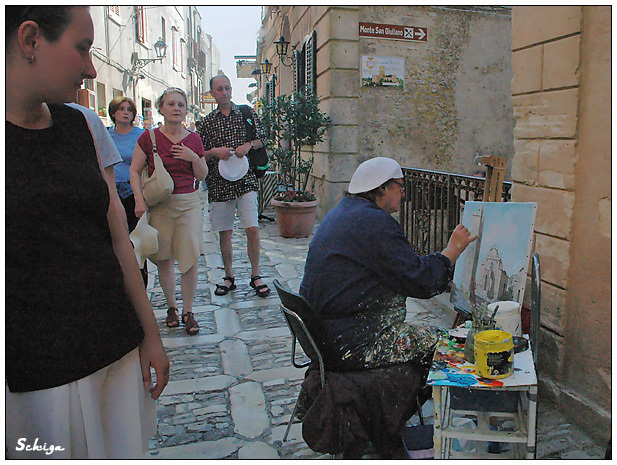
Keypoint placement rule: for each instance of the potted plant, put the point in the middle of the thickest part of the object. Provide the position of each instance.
(292, 122)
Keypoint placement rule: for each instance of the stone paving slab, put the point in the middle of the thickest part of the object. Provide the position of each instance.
(232, 388)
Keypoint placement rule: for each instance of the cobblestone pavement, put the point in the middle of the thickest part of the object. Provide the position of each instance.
(232, 387)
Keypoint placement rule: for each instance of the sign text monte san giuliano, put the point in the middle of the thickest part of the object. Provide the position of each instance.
(393, 31)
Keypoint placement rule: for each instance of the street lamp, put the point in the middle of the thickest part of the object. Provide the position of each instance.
(266, 67)
(281, 50)
(160, 48)
(281, 46)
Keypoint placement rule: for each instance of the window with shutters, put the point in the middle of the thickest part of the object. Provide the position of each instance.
(175, 47)
(305, 76)
(140, 22)
(114, 13)
(271, 95)
(270, 89)
(182, 60)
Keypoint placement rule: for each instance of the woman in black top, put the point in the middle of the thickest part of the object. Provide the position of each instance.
(81, 334)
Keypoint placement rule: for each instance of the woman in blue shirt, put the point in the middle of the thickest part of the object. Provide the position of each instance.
(122, 111)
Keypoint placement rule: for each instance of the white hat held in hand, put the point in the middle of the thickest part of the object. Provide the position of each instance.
(234, 168)
(373, 173)
(145, 240)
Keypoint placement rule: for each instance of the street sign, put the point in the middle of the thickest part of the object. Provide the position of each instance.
(393, 31)
(207, 97)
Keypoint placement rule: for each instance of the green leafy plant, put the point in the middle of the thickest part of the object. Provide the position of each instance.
(290, 123)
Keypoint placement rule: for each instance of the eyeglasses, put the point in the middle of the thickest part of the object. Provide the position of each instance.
(400, 184)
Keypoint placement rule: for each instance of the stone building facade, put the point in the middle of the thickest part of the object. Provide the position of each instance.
(125, 33)
(454, 105)
(561, 94)
(545, 103)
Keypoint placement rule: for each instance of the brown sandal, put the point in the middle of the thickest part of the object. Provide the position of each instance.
(172, 320)
(192, 327)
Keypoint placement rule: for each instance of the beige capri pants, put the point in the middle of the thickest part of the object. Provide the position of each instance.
(179, 221)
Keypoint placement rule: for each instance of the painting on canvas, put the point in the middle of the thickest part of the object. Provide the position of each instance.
(495, 264)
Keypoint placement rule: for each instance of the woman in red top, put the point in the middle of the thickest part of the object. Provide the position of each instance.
(178, 219)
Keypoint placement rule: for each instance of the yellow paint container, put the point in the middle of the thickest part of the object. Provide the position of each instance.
(494, 354)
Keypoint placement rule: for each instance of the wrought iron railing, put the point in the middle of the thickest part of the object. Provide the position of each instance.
(433, 205)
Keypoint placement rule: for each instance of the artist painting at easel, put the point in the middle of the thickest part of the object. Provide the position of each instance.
(359, 271)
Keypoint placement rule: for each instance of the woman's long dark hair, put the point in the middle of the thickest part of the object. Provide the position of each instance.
(51, 19)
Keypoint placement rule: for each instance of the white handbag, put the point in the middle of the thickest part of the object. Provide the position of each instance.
(159, 186)
(145, 240)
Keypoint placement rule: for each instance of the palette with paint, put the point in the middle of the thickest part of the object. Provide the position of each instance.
(449, 368)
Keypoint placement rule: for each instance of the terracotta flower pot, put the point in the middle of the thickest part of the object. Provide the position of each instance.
(295, 219)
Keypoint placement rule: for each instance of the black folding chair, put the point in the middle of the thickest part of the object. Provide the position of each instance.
(303, 325)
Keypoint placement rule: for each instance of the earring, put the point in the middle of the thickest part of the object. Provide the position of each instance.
(31, 60)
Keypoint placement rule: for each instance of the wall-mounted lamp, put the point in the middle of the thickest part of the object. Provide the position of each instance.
(160, 48)
(266, 67)
(281, 50)
(281, 46)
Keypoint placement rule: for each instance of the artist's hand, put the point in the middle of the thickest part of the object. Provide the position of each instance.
(182, 152)
(459, 240)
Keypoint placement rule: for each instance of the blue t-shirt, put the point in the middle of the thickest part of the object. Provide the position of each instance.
(125, 143)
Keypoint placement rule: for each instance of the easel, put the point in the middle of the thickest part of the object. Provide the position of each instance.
(493, 185)
(495, 167)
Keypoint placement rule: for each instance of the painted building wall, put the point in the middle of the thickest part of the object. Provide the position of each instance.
(115, 41)
(561, 93)
(455, 104)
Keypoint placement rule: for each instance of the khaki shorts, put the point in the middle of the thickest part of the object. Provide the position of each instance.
(222, 213)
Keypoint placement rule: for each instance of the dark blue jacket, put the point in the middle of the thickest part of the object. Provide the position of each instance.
(359, 270)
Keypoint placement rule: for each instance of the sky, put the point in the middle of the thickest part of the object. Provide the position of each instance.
(234, 32)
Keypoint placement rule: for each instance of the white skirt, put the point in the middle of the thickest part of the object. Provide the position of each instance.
(106, 415)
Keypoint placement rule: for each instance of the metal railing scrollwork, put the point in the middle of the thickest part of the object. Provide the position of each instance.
(433, 205)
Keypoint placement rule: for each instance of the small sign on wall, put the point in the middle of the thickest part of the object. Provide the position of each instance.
(383, 71)
(393, 31)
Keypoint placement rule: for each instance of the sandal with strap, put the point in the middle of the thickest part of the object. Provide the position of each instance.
(262, 290)
(222, 289)
(172, 320)
(192, 327)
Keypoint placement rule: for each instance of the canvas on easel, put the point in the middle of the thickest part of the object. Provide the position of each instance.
(495, 264)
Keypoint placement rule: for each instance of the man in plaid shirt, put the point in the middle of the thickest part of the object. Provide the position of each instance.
(222, 132)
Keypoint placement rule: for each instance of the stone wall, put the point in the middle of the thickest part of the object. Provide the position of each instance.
(456, 100)
(561, 97)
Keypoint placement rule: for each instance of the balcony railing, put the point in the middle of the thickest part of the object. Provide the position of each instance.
(433, 205)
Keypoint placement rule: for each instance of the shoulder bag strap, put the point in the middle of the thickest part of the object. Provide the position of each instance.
(250, 128)
(154, 149)
(144, 174)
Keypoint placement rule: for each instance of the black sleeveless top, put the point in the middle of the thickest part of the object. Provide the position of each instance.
(67, 311)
